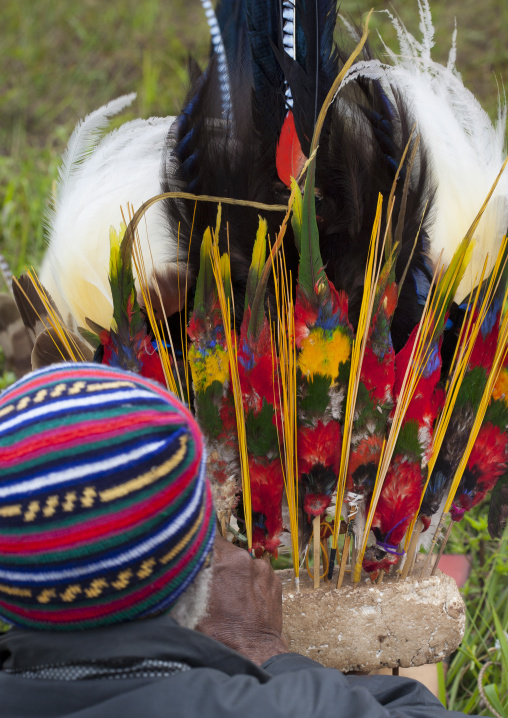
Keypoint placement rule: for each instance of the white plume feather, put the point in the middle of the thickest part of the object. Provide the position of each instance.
(83, 140)
(465, 148)
(100, 176)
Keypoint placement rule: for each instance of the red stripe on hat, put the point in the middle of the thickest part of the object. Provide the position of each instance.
(68, 436)
(96, 372)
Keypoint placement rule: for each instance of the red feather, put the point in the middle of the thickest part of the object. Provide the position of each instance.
(485, 345)
(396, 507)
(267, 485)
(378, 374)
(289, 158)
(319, 444)
(487, 462)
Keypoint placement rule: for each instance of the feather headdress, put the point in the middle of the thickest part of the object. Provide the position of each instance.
(374, 404)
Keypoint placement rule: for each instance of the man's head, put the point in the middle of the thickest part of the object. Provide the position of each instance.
(105, 512)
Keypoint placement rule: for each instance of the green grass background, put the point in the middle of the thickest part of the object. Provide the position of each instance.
(60, 61)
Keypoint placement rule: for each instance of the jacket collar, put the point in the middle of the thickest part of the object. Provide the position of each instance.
(155, 638)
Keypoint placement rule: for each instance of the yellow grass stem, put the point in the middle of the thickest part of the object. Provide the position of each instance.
(478, 217)
(497, 365)
(442, 548)
(335, 88)
(371, 278)
(372, 274)
(139, 264)
(459, 365)
(433, 314)
(235, 382)
(287, 396)
(357, 569)
(467, 338)
(316, 549)
(458, 368)
(343, 560)
(280, 236)
(417, 361)
(438, 530)
(53, 320)
(411, 553)
(183, 326)
(136, 218)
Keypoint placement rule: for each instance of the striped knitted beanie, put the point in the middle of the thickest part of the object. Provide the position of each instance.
(105, 511)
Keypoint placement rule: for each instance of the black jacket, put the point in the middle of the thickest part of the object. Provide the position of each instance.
(210, 681)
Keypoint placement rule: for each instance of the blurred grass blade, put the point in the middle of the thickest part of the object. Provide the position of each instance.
(441, 684)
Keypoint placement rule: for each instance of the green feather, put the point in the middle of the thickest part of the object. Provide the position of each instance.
(472, 388)
(256, 287)
(261, 432)
(205, 284)
(408, 443)
(296, 216)
(225, 270)
(451, 279)
(127, 317)
(91, 337)
(364, 408)
(315, 395)
(497, 414)
(207, 412)
(312, 279)
(344, 371)
(257, 263)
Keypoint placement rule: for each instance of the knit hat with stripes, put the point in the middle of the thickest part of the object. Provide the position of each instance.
(105, 511)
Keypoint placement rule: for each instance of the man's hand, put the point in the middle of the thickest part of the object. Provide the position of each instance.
(245, 605)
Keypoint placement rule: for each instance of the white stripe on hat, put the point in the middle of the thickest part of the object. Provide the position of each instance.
(97, 399)
(95, 468)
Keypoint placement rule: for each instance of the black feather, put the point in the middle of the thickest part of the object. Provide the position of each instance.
(233, 158)
(49, 349)
(232, 19)
(31, 307)
(359, 153)
(452, 450)
(311, 74)
(360, 149)
(498, 508)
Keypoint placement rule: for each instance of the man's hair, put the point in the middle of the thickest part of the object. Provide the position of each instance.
(192, 606)
(105, 511)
